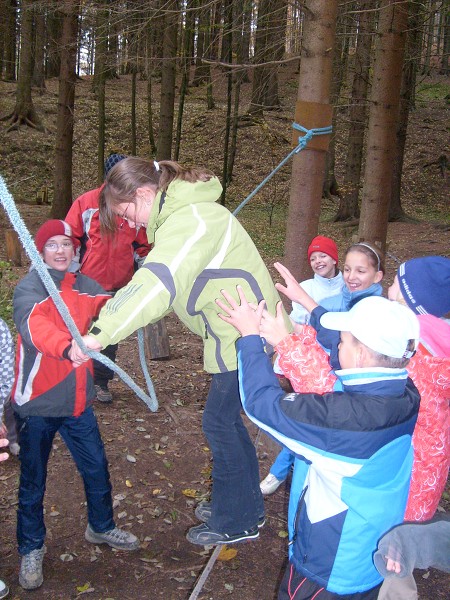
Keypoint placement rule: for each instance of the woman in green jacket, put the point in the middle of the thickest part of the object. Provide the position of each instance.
(199, 248)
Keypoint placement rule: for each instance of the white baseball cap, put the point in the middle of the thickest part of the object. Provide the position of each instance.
(382, 325)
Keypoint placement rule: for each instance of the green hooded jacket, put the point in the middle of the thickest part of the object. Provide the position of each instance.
(199, 249)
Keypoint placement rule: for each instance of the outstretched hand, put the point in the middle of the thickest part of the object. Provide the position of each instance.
(292, 289)
(273, 329)
(245, 317)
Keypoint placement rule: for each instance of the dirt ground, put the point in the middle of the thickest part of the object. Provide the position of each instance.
(159, 462)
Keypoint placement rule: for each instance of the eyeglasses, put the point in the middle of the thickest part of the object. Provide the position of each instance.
(53, 246)
(123, 216)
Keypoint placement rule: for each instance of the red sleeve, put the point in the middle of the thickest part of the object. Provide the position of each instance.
(305, 363)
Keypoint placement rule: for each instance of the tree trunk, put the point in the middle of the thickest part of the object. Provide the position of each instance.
(185, 67)
(202, 70)
(39, 45)
(62, 190)
(348, 205)
(24, 112)
(54, 26)
(167, 101)
(409, 77)
(8, 30)
(445, 70)
(267, 49)
(99, 83)
(312, 110)
(383, 116)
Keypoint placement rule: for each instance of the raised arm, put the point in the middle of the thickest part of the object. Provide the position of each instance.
(292, 289)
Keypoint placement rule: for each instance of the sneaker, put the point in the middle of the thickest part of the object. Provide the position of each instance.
(116, 538)
(14, 448)
(4, 589)
(30, 575)
(205, 536)
(203, 513)
(270, 484)
(103, 394)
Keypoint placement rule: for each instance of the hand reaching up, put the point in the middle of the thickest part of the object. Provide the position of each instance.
(245, 317)
(273, 329)
(292, 289)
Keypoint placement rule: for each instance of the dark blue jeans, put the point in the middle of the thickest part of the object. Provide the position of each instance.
(82, 437)
(236, 501)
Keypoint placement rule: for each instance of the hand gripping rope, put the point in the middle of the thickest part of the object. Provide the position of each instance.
(30, 248)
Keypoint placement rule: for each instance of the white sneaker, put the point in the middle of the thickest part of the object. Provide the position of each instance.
(116, 538)
(270, 484)
(30, 575)
(4, 589)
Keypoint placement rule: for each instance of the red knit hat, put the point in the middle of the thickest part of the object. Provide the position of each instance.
(323, 244)
(51, 228)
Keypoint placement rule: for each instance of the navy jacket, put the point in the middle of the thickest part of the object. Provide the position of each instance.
(352, 467)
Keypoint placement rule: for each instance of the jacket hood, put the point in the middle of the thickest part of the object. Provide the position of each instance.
(178, 195)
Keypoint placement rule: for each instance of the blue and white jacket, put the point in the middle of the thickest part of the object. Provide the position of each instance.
(353, 459)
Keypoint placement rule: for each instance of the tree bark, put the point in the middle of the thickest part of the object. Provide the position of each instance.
(8, 30)
(348, 204)
(39, 45)
(415, 20)
(164, 144)
(62, 189)
(314, 88)
(24, 112)
(383, 115)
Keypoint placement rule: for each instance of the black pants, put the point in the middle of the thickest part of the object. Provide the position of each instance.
(102, 373)
(297, 587)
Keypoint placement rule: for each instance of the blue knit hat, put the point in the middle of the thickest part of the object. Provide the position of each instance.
(112, 160)
(425, 284)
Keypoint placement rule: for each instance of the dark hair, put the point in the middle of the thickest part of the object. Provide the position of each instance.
(132, 173)
(375, 256)
(391, 362)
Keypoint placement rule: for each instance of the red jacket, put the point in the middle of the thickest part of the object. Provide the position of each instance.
(46, 383)
(107, 259)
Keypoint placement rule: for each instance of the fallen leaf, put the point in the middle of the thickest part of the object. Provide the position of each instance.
(227, 553)
(66, 557)
(131, 458)
(283, 534)
(83, 588)
(190, 493)
(128, 483)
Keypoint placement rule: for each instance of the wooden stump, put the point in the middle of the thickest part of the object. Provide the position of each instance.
(13, 248)
(156, 341)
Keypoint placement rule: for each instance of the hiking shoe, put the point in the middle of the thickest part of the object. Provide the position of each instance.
(205, 536)
(203, 513)
(270, 484)
(116, 538)
(4, 589)
(103, 394)
(30, 575)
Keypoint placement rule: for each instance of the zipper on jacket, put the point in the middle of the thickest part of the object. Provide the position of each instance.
(297, 516)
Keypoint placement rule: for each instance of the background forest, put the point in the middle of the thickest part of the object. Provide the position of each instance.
(215, 83)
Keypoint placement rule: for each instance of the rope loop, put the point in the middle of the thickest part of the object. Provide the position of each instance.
(28, 244)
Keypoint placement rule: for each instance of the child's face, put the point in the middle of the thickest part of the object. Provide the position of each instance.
(322, 264)
(394, 292)
(359, 273)
(58, 252)
(348, 350)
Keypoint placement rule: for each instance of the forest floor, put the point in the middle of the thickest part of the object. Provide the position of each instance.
(159, 462)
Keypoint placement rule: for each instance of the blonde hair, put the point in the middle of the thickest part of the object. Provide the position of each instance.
(132, 173)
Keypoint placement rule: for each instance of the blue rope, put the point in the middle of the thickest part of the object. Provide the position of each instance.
(302, 141)
(30, 248)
